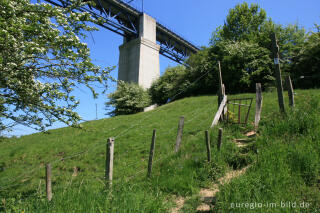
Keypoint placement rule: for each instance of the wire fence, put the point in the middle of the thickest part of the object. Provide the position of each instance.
(102, 172)
(30, 174)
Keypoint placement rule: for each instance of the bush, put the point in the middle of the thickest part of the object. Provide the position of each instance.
(169, 85)
(305, 69)
(129, 98)
(243, 64)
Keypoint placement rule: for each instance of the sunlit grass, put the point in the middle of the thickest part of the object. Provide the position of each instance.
(22, 174)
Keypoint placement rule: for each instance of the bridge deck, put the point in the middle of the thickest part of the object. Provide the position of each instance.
(123, 19)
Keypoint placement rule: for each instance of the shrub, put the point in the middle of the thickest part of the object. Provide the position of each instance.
(305, 70)
(129, 98)
(169, 85)
(243, 65)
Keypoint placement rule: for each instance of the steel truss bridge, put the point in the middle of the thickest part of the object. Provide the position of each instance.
(123, 19)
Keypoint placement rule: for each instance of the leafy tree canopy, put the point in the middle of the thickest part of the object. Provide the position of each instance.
(42, 60)
(243, 46)
(251, 24)
(129, 98)
(242, 23)
(169, 85)
(306, 65)
(243, 64)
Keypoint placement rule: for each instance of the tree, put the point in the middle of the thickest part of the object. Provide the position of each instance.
(203, 67)
(243, 64)
(170, 85)
(242, 23)
(42, 60)
(251, 24)
(129, 98)
(306, 64)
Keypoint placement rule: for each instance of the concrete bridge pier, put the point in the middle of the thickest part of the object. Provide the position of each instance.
(139, 57)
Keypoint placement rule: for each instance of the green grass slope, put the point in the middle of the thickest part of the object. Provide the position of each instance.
(77, 157)
(285, 176)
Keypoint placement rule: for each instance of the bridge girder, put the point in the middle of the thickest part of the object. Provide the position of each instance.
(121, 18)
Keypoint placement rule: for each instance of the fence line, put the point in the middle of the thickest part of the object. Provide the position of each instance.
(84, 152)
(161, 135)
(154, 111)
(129, 178)
(118, 135)
(145, 168)
(164, 133)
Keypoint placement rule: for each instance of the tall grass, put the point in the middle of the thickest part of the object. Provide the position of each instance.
(284, 160)
(287, 167)
(181, 174)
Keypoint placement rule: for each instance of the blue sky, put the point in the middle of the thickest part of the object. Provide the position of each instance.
(195, 20)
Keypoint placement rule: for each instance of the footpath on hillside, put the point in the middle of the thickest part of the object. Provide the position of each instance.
(208, 195)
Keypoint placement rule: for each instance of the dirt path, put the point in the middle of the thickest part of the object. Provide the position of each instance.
(207, 195)
(179, 204)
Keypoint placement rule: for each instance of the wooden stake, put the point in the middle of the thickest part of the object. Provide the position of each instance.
(258, 105)
(290, 91)
(239, 112)
(208, 145)
(278, 72)
(220, 110)
(109, 160)
(225, 110)
(179, 134)
(220, 91)
(152, 147)
(219, 138)
(48, 182)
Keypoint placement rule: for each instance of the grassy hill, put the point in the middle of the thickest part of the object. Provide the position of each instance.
(284, 160)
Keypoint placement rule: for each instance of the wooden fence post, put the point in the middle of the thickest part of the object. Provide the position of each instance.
(278, 72)
(290, 91)
(225, 110)
(48, 182)
(258, 105)
(152, 147)
(208, 145)
(220, 111)
(220, 89)
(239, 112)
(220, 138)
(109, 160)
(179, 135)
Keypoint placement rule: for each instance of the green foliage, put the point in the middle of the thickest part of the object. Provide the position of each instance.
(202, 73)
(246, 24)
(243, 64)
(198, 78)
(291, 39)
(306, 64)
(129, 98)
(124, 198)
(287, 166)
(42, 60)
(281, 167)
(168, 85)
(243, 23)
(251, 24)
(299, 121)
(243, 46)
(132, 191)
